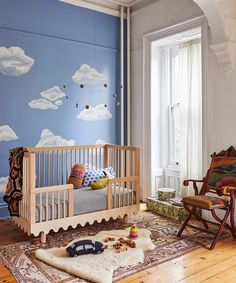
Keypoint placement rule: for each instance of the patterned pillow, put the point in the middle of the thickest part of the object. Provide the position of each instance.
(77, 175)
(94, 175)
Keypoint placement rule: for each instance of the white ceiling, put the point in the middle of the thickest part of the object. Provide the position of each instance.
(109, 6)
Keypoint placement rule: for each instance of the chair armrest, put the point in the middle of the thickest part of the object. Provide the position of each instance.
(195, 187)
(227, 190)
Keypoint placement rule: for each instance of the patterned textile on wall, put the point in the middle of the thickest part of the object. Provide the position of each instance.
(223, 172)
(15, 183)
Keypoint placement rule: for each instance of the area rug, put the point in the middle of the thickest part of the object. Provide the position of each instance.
(20, 258)
(99, 268)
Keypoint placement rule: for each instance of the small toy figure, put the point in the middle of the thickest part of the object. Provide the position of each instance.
(133, 232)
(109, 239)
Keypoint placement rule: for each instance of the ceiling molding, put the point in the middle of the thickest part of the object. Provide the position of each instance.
(96, 5)
(111, 7)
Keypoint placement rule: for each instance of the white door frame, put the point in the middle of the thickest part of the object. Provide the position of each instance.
(148, 38)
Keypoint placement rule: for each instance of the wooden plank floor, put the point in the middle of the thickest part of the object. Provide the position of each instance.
(200, 265)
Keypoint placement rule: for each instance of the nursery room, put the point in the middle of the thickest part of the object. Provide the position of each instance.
(117, 141)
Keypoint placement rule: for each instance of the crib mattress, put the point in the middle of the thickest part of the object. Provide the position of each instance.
(85, 200)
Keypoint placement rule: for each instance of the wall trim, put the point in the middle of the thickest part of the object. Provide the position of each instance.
(148, 38)
(93, 6)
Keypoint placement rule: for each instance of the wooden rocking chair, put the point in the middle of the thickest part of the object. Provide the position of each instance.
(220, 180)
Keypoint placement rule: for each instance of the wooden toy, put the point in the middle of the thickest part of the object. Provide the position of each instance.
(133, 232)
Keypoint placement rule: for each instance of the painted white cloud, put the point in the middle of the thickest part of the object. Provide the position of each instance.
(99, 112)
(87, 74)
(3, 184)
(50, 100)
(42, 104)
(99, 141)
(53, 93)
(49, 139)
(58, 102)
(7, 134)
(14, 62)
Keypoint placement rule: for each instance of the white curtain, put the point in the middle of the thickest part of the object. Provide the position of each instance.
(190, 76)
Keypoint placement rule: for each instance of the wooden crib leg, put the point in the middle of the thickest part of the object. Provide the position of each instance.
(125, 219)
(43, 237)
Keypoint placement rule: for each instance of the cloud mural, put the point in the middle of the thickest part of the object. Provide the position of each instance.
(3, 184)
(87, 74)
(99, 141)
(99, 112)
(53, 93)
(50, 101)
(14, 62)
(7, 134)
(42, 104)
(49, 139)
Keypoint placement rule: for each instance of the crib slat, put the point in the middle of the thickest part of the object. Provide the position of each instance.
(84, 162)
(71, 161)
(92, 159)
(128, 172)
(53, 167)
(122, 163)
(43, 168)
(80, 156)
(119, 195)
(46, 206)
(66, 165)
(109, 197)
(58, 205)
(123, 193)
(57, 167)
(39, 169)
(40, 207)
(53, 205)
(64, 204)
(128, 193)
(100, 156)
(133, 163)
(48, 168)
(132, 193)
(62, 166)
(88, 158)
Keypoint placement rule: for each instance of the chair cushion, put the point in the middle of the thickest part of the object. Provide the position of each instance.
(206, 202)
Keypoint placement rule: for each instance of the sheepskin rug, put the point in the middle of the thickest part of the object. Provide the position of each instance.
(99, 268)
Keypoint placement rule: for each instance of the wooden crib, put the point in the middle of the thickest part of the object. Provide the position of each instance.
(48, 201)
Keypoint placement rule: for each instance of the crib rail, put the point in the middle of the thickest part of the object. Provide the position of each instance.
(53, 164)
(122, 192)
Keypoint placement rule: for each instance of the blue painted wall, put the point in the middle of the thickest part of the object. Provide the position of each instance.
(59, 38)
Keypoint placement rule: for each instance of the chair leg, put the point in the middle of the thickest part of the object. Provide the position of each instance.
(232, 221)
(202, 220)
(220, 230)
(185, 222)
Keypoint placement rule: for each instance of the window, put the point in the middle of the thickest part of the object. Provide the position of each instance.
(176, 88)
(174, 108)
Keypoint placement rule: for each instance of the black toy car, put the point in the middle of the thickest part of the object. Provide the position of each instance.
(84, 247)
